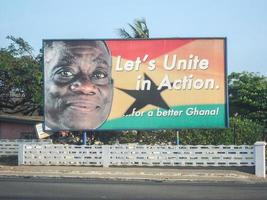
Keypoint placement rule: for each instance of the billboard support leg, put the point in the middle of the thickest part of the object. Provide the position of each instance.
(177, 138)
(84, 137)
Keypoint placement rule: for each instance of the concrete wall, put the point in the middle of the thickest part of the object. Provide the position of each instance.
(11, 147)
(137, 155)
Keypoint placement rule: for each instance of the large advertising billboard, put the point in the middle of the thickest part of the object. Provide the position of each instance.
(119, 84)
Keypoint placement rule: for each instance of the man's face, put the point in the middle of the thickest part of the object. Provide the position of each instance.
(78, 87)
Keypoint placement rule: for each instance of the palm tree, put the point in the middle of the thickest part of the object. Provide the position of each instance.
(139, 30)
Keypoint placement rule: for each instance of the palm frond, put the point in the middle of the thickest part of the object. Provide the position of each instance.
(139, 30)
(124, 34)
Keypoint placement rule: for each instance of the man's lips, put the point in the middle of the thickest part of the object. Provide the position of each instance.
(83, 106)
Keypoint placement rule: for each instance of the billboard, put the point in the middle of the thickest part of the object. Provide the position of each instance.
(119, 84)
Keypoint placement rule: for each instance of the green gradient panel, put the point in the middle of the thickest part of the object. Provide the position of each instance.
(183, 120)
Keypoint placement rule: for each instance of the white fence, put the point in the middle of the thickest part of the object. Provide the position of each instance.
(186, 155)
(10, 147)
(136, 155)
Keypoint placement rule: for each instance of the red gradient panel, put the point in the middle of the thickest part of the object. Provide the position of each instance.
(131, 49)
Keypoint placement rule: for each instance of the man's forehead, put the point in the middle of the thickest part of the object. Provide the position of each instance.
(79, 45)
(96, 50)
(87, 50)
(65, 53)
(86, 45)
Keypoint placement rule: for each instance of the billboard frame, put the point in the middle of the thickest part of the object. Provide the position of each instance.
(156, 38)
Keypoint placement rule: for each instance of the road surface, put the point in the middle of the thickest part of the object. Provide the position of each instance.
(75, 189)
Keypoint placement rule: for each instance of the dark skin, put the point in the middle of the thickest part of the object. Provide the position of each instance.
(78, 86)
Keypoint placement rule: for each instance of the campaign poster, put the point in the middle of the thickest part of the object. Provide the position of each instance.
(117, 84)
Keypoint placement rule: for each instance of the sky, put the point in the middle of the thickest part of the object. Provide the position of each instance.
(242, 22)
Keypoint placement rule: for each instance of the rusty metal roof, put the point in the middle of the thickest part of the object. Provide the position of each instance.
(21, 119)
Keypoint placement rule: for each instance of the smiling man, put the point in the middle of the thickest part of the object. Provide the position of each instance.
(78, 84)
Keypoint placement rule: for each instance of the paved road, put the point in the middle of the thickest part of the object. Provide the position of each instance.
(74, 189)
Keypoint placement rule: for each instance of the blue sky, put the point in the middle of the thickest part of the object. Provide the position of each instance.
(243, 22)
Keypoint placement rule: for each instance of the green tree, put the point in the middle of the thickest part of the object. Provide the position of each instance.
(139, 30)
(246, 131)
(20, 78)
(248, 96)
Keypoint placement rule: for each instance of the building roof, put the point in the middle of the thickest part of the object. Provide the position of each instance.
(21, 119)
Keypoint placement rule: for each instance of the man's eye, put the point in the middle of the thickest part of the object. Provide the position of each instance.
(66, 74)
(99, 75)
(63, 76)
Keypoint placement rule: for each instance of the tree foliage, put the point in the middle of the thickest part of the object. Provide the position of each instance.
(20, 78)
(246, 131)
(139, 29)
(248, 96)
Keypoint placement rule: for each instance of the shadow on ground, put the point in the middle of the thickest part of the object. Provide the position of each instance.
(9, 160)
(245, 169)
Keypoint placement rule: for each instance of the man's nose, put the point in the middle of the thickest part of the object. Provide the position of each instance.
(83, 87)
